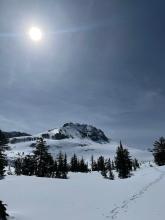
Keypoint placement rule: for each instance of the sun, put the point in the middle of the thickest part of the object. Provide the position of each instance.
(35, 34)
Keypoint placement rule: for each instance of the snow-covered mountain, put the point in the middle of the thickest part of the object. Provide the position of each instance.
(84, 140)
(76, 130)
(67, 131)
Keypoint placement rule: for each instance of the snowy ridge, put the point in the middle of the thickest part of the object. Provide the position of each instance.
(67, 131)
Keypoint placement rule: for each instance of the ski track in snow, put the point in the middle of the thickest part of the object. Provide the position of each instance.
(123, 207)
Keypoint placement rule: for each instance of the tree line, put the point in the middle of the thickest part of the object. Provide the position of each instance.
(42, 164)
(123, 164)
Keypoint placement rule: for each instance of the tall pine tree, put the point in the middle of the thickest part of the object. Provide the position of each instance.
(3, 146)
(123, 162)
(62, 166)
(74, 164)
(42, 159)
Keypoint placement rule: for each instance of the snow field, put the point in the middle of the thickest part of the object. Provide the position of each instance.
(86, 196)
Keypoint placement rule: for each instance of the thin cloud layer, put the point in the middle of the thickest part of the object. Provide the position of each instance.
(100, 62)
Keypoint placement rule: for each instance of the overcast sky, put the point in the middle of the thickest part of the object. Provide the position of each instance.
(100, 62)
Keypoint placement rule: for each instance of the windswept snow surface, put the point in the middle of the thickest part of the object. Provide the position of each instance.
(86, 196)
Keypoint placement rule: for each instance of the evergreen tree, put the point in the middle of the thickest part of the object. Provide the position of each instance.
(18, 166)
(95, 167)
(3, 163)
(3, 213)
(83, 167)
(49, 165)
(65, 168)
(135, 164)
(107, 172)
(159, 151)
(103, 166)
(113, 165)
(42, 159)
(78, 165)
(54, 169)
(60, 160)
(3, 146)
(74, 164)
(3, 139)
(28, 165)
(111, 175)
(101, 163)
(62, 167)
(123, 162)
(92, 163)
(108, 164)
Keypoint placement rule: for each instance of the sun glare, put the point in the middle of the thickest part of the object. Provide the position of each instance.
(35, 34)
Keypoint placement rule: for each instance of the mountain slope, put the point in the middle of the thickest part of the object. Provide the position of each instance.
(83, 140)
(81, 147)
(69, 130)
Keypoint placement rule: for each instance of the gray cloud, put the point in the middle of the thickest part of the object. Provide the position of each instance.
(100, 62)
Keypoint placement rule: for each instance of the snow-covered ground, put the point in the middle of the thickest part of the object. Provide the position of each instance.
(86, 196)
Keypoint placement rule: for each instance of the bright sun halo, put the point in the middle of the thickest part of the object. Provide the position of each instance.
(35, 34)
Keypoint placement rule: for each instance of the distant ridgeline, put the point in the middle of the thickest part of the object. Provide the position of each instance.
(68, 130)
(12, 134)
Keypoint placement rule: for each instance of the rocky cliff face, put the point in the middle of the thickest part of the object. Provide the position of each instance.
(76, 130)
